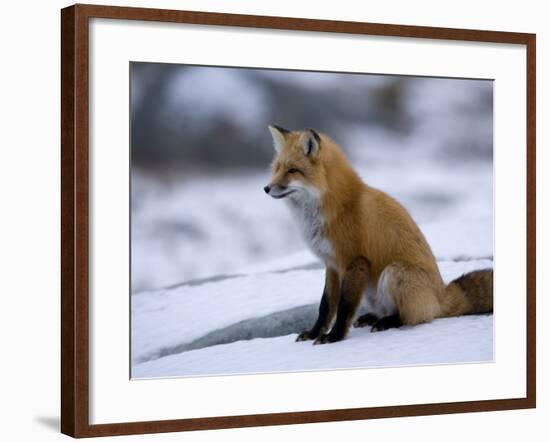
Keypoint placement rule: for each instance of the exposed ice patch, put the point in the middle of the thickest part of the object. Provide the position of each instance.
(281, 323)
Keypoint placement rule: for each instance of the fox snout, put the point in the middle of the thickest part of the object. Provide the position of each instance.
(277, 191)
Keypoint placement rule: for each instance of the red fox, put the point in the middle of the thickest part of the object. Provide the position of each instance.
(370, 245)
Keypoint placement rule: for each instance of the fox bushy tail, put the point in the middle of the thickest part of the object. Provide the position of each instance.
(470, 294)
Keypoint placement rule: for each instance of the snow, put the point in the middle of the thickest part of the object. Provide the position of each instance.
(222, 219)
(163, 319)
(213, 326)
(448, 340)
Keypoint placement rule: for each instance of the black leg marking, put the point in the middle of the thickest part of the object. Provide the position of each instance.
(351, 289)
(367, 319)
(340, 328)
(393, 321)
(314, 332)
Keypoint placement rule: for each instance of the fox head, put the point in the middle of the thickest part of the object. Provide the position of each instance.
(297, 170)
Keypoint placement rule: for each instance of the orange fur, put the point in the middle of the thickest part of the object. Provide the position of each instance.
(359, 221)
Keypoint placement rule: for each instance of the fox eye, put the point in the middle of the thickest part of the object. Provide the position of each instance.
(294, 171)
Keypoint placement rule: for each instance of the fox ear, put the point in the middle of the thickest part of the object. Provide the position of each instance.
(312, 143)
(278, 134)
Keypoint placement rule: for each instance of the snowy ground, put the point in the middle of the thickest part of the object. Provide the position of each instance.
(451, 340)
(246, 321)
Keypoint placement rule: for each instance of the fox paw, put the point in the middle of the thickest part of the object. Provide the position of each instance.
(378, 327)
(323, 339)
(327, 339)
(386, 323)
(305, 336)
(366, 320)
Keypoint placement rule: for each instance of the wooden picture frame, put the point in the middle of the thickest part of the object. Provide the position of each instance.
(75, 219)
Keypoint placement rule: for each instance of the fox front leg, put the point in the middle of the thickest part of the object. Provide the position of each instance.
(327, 307)
(354, 282)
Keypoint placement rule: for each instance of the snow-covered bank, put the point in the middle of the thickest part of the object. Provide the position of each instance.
(213, 326)
(164, 322)
(444, 341)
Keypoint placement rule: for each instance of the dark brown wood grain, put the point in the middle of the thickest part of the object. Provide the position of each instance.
(75, 219)
(68, 343)
(531, 190)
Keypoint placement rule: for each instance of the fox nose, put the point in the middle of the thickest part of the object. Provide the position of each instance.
(267, 189)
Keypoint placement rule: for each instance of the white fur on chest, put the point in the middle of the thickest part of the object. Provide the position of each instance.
(307, 212)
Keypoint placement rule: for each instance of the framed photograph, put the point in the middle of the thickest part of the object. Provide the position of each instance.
(272, 221)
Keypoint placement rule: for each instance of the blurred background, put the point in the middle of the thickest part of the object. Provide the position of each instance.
(200, 155)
